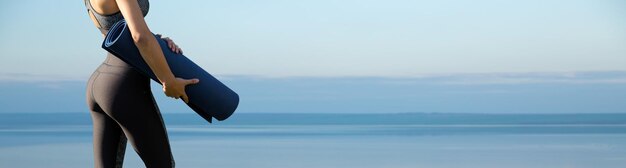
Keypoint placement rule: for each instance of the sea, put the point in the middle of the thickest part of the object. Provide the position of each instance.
(336, 140)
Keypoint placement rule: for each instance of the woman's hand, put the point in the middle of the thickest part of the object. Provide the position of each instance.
(171, 44)
(176, 88)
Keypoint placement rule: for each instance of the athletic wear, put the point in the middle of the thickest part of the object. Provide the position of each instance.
(122, 107)
(104, 22)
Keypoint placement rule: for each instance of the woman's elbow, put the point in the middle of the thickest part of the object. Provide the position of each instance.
(141, 39)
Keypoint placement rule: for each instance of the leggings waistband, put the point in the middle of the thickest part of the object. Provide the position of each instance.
(113, 60)
(114, 65)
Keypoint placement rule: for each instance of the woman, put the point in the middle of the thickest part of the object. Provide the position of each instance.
(119, 98)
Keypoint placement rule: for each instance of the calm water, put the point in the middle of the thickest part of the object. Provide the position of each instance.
(338, 140)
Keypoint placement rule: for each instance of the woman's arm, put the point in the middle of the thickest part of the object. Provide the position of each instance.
(151, 51)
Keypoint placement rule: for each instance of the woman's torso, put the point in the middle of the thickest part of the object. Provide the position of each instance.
(105, 21)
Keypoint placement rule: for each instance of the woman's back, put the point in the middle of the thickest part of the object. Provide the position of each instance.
(105, 19)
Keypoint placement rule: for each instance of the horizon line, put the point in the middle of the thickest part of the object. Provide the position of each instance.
(577, 77)
(354, 113)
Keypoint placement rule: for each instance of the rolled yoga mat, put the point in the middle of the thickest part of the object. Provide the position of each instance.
(209, 98)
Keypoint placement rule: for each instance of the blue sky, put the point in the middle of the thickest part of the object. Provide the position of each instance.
(335, 38)
(484, 56)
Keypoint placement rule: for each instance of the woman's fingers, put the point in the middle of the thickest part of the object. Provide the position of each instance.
(185, 98)
(193, 81)
(188, 82)
(173, 47)
(170, 43)
(178, 90)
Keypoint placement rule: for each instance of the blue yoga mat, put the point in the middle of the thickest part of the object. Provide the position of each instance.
(209, 98)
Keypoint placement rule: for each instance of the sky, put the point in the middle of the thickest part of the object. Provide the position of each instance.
(352, 56)
(330, 38)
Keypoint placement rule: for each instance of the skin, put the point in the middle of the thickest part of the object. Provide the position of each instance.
(147, 44)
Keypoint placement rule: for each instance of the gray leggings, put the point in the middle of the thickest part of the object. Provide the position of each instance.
(122, 107)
